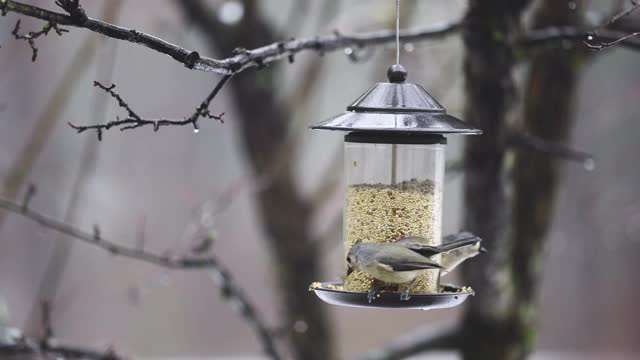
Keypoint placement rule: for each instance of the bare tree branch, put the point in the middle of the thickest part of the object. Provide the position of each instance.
(31, 35)
(235, 296)
(600, 41)
(95, 239)
(635, 4)
(553, 149)
(134, 121)
(53, 268)
(527, 141)
(222, 277)
(47, 345)
(243, 60)
(418, 341)
(28, 347)
(599, 38)
(51, 114)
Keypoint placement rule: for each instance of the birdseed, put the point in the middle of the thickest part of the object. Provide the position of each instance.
(382, 213)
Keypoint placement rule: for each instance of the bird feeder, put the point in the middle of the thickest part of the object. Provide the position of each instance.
(394, 165)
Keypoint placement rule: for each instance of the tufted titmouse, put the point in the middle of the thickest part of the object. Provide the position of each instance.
(400, 262)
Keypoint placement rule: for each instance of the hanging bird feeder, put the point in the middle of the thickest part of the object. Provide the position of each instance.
(394, 164)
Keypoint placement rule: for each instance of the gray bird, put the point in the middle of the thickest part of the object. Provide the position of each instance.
(400, 262)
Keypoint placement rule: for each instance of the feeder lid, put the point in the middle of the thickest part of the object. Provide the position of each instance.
(398, 106)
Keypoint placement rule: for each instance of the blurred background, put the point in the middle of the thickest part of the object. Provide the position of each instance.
(139, 183)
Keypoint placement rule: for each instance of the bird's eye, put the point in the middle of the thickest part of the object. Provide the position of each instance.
(349, 260)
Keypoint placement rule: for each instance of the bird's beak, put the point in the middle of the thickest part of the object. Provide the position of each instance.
(483, 250)
(349, 270)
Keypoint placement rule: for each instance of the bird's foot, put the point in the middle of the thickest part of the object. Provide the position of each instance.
(404, 296)
(371, 294)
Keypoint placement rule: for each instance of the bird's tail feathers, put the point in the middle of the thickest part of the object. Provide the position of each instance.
(461, 241)
(451, 243)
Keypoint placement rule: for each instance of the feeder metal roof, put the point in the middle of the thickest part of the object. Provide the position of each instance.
(398, 106)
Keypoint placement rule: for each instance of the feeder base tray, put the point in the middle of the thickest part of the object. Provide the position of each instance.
(450, 296)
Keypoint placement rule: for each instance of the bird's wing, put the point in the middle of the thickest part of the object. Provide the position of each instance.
(412, 262)
(413, 266)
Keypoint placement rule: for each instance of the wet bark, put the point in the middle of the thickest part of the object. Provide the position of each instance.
(509, 202)
(549, 94)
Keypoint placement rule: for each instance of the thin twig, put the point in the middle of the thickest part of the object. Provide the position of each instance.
(71, 75)
(236, 297)
(47, 345)
(552, 149)
(28, 348)
(134, 121)
(604, 38)
(599, 38)
(28, 196)
(635, 4)
(258, 57)
(94, 238)
(31, 35)
(597, 42)
(241, 60)
(534, 143)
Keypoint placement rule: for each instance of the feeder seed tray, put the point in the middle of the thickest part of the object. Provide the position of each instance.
(450, 296)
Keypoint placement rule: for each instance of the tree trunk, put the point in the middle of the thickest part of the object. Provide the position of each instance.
(264, 126)
(490, 26)
(549, 92)
(500, 322)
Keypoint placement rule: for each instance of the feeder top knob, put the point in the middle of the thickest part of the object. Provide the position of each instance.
(397, 74)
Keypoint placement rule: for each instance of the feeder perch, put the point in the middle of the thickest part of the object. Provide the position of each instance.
(394, 164)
